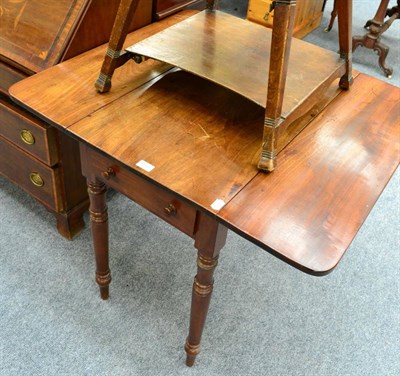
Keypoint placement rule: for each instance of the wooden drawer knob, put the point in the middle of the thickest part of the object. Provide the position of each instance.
(170, 210)
(27, 137)
(36, 179)
(108, 174)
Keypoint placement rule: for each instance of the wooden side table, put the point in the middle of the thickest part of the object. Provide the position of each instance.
(35, 35)
(376, 27)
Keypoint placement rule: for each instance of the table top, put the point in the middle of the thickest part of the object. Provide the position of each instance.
(204, 144)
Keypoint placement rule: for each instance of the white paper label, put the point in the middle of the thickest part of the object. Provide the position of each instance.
(145, 165)
(218, 204)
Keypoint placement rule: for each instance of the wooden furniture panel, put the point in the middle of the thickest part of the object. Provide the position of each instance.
(165, 205)
(34, 177)
(29, 134)
(8, 77)
(329, 180)
(308, 15)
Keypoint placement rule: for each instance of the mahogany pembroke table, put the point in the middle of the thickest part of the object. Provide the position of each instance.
(186, 149)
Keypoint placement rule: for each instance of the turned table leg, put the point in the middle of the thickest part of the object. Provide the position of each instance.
(209, 240)
(99, 225)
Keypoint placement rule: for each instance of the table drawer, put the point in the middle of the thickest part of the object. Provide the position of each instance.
(164, 204)
(33, 176)
(28, 133)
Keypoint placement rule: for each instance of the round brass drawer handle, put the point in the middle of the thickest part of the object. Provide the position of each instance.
(108, 174)
(36, 179)
(170, 210)
(27, 137)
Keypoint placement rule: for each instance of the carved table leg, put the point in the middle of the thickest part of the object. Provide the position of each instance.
(99, 226)
(209, 240)
(376, 28)
(333, 16)
(345, 9)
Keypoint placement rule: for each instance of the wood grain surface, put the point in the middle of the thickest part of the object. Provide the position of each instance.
(308, 211)
(223, 48)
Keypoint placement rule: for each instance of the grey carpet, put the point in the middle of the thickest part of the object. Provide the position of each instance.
(266, 318)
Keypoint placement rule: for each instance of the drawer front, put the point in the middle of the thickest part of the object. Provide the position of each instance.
(28, 133)
(8, 77)
(33, 176)
(160, 202)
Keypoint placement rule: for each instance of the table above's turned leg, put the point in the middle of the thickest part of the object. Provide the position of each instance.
(333, 16)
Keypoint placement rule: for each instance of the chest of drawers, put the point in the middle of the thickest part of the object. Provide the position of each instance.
(35, 35)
